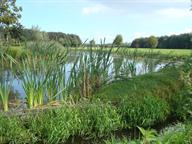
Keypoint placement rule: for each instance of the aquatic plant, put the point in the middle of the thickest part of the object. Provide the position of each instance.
(91, 70)
(5, 89)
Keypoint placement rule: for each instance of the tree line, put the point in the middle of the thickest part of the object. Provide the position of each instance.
(10, 28)
(182, 41)
(12, 32)
(17, 35)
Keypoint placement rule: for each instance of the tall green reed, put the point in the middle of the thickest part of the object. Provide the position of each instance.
(5, 86)
(128, 65)
(42, 73)
(33, 80)
(5, 89)
(91, 70)
(135, 62)
(151, 59)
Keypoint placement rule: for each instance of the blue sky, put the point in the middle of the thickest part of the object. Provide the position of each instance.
(107, 18)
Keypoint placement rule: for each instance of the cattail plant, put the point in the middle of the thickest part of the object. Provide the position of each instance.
(5, 89)
(91, 70)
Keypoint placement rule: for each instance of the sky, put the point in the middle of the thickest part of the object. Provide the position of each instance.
(99, 19)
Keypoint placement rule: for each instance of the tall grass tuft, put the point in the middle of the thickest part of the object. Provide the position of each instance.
(33, 82)
(5, 89)
(91, 70)
(42, 73)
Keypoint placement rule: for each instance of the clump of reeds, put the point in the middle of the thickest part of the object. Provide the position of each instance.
(91, 70)
(42, 74)
(5, 89)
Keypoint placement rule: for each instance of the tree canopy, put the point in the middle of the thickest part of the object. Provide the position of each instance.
(92, 43)
(182, 41)
(118, 40)
(9, 12)
(152, 42)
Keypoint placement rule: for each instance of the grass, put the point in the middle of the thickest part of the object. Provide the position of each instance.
(122, 104)
(175, 134)
(129, 102)
(165, 52)
(12, 130)
(147, 99)
(162, 84)
(86, 120)
(178, 53)
(172, 52)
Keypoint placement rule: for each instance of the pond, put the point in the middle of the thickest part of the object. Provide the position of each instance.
(117, 64)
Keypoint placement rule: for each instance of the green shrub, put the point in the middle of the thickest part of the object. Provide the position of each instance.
(188, 133)
(86, 120)
(144, 111)
(17, 53)
(102, 119)
(54, 126)
(181, 102)
(114, 140)
(174, 134)
(13, 131)
(181, 105)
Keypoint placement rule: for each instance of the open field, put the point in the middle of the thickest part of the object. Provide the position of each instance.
(182, 53)
(172, 52)
(165, 52)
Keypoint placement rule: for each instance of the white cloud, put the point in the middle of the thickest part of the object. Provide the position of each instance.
(140, 1)
(174, 13)
(94, 9)
(186, 30)
(142, 6)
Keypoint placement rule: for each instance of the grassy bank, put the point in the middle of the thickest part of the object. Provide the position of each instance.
(93, 105)
(142, 101)
(161, 84)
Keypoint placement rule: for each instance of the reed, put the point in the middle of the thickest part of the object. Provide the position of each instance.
(91, 70)
(5, 89)
(42, 74)
(33, 82)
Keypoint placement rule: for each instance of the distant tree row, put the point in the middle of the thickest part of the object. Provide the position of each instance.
(182, 41)
(65, 39)
(18, 34)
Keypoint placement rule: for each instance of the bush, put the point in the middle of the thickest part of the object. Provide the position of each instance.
(54, 126)
(144, 111)
(178, 134)
(102, 119)
(91, 120)
(181, 105)
(13, 131)
(17, 53)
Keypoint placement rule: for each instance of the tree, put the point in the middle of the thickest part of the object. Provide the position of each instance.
(152, 42)
(16, 33)
(92, 43)
(118, 40)
(9, 15)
